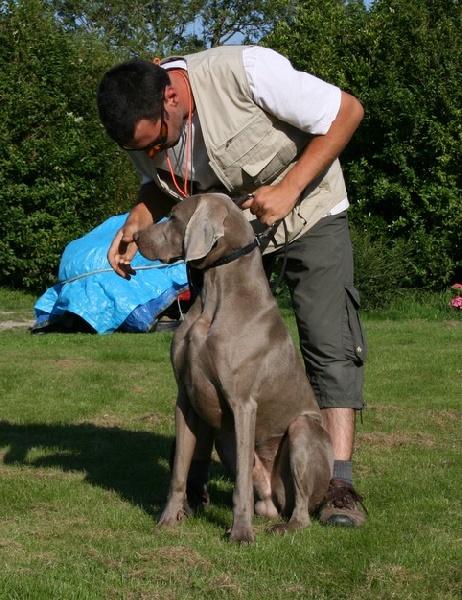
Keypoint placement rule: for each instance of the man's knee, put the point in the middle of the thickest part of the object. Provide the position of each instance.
(338, 384)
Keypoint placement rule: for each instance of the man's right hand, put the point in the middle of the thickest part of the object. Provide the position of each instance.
(152, 205)
(122, 251)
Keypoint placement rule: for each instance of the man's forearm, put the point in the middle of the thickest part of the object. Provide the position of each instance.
(324, 149)
(152, 205)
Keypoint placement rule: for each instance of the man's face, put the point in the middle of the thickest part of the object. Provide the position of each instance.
(145, 130)
(153, 137)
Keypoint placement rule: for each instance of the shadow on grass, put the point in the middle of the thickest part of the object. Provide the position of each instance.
(134, 464)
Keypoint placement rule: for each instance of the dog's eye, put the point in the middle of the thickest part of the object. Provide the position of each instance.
(172, 216)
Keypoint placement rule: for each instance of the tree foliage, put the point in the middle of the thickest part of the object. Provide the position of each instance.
(59, 175)
(410, 174)
(164, 27)
(403, 59)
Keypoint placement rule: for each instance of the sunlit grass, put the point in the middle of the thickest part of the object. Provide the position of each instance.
(86, 426)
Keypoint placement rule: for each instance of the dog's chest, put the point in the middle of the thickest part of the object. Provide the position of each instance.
(207, 400)
(196, 363)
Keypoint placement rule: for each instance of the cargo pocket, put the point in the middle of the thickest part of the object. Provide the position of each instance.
(355, 338)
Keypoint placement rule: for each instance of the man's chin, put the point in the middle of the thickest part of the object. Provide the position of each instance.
(172, 144)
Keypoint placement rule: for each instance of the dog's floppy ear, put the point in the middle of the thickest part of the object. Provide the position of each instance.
(205, 227)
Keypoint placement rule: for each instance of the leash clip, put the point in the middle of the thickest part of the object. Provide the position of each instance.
(240, 200)
(262, 237)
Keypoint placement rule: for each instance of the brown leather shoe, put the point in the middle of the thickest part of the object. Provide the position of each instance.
(342, 506)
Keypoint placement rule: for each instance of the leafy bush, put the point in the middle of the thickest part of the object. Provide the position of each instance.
(380, 270)
(402, 59)
(59, 174)
(410, 178)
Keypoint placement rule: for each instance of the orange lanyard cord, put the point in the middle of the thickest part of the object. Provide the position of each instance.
(188, 143)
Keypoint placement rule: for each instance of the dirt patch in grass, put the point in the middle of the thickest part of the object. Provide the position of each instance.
(445, 419)
(383, 407)
(13, 324)
(189, 569)
(383, 576)
(116, 422)
(178, 556)
(12, 318)
(397, 439)
(453, 323)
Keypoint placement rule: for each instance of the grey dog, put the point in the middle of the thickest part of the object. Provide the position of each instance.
(237, 370)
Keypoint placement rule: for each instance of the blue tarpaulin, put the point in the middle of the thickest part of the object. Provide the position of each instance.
(88, 287)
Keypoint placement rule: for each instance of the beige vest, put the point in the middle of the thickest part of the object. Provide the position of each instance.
(247, 147)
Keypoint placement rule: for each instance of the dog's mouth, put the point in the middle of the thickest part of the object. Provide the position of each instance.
(162, 253)
(166, 260)
(171, 260)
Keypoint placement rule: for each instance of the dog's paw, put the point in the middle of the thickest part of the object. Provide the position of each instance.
(283, 528)
(279, 529)
(171, 515)
(242, 535)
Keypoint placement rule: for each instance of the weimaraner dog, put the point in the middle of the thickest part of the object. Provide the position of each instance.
(237, 370)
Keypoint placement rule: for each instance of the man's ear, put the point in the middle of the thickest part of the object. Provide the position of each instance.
(171, 95)
(205, 227)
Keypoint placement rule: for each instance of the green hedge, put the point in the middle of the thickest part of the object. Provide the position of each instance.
(403, 60)
(59, 174)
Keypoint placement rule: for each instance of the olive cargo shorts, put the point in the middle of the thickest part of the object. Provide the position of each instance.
(319, 273)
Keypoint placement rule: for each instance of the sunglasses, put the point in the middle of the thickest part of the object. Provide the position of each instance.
(157, 145)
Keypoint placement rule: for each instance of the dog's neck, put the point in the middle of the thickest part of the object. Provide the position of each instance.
(228, 258)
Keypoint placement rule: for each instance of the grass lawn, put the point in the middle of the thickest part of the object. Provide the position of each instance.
(86, 424)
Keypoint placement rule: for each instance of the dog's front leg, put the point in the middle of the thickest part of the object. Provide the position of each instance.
(244, 426)
(185, 430)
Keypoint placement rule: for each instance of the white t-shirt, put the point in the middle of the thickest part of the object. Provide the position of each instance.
(298, 98)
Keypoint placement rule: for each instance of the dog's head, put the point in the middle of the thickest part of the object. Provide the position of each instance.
(201, 229)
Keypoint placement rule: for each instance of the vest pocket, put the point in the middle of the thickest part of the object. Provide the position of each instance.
(354, 335)
(256, 154)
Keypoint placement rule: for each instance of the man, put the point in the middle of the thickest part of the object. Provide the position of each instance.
(240, 119)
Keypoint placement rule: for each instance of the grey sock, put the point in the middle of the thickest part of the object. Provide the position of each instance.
(343, 469)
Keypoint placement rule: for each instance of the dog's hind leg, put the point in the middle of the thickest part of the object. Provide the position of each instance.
(311, 461)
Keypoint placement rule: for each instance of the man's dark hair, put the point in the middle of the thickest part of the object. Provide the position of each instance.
(127, 93)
